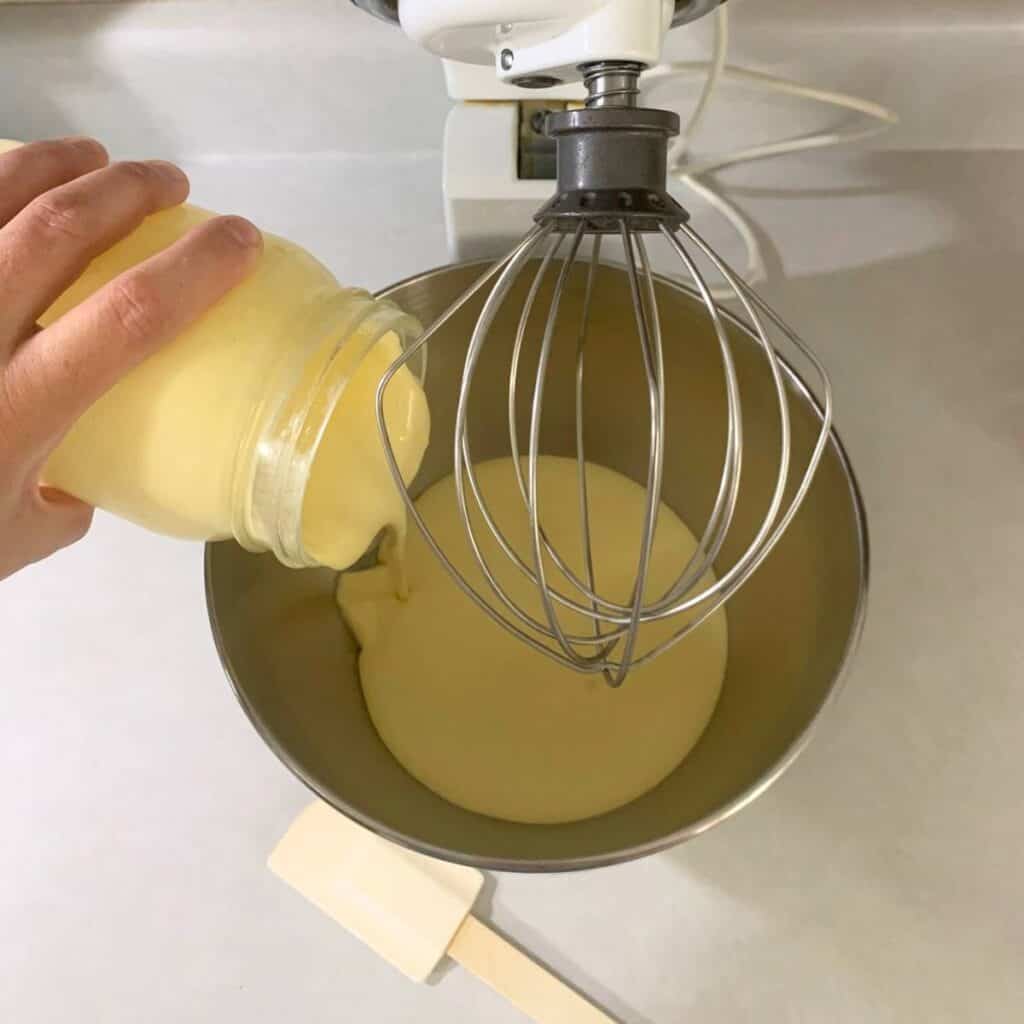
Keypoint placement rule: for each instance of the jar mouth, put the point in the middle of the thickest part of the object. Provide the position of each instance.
(286, 437)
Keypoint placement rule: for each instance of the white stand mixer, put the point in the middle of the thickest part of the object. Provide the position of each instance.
(490, 188)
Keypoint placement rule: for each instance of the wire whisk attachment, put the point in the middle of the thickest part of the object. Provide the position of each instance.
(611, 185)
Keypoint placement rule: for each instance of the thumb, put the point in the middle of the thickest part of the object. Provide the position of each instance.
(60, 520)
(44, 521)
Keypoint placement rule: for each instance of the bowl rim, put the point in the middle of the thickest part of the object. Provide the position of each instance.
(638, 850)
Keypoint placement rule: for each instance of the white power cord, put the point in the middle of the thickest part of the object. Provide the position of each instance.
(689, 172)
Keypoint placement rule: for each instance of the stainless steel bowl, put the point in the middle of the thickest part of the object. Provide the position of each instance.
(792, 628)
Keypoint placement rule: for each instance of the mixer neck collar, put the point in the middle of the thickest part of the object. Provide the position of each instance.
(612, 156)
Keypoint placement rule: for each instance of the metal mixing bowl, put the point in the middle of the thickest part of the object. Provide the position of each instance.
(792, 628)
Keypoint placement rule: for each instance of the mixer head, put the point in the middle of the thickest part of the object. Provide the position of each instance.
(611, 182)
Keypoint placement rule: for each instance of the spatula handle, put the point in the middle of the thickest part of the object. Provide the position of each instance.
(522, 981)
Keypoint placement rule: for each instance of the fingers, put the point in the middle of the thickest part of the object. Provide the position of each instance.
(56, 375)
(31, 170)
(46, 521)
(46, 246)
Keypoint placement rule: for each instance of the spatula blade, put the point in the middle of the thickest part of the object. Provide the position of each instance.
(405, 906)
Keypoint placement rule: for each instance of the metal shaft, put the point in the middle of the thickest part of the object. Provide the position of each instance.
(612, 83)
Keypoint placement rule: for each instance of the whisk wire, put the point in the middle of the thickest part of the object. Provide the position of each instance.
(534, 451)
(514, 440)
(650, 347)
(720, 519)
(462, 457)
(581, 460)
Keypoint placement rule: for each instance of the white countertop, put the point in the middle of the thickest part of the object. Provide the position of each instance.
(878, 881)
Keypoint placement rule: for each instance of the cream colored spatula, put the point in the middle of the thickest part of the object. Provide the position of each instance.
(414, 911)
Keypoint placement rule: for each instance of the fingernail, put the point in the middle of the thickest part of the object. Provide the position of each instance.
(244, 232)
(85, 144)
(168, 170)
(55, 496)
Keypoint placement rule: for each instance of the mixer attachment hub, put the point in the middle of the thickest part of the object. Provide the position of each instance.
(605, 148)
(601, 211)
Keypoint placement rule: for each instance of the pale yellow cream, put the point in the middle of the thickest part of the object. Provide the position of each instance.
(491, 725)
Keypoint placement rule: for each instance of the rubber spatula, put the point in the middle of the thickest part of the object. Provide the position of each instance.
(414, 910)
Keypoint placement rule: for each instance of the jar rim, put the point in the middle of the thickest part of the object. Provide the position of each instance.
(271, 482)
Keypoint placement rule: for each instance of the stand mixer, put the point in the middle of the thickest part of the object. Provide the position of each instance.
(611, 182)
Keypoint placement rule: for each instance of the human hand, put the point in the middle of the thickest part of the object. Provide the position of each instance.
(62, 204)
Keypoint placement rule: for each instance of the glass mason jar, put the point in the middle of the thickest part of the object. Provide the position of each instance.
(259, 421)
